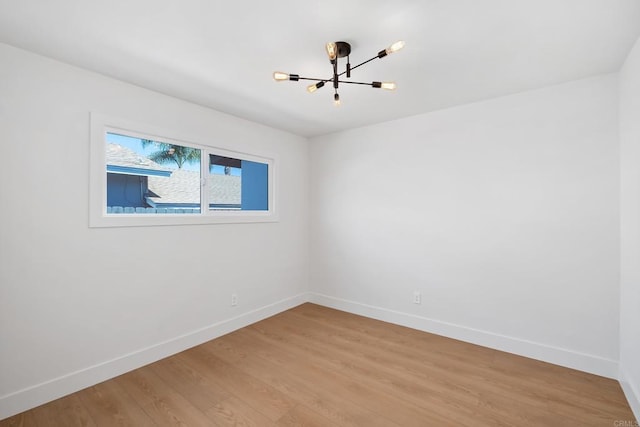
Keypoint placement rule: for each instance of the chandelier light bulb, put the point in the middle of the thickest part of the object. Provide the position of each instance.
(336, 100)
(314, 87)
(279, 76)
(332, 50)
(388, 85)
(395, 47)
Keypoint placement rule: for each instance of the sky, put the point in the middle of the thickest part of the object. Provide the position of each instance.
(136, 145)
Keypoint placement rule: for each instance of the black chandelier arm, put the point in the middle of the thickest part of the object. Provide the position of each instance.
(349, 69)
(355, 83)
(342, 73)
(315, 80)
(359, 65)
(376, 84)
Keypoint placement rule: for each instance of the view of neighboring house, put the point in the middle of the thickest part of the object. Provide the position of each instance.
(136, 184)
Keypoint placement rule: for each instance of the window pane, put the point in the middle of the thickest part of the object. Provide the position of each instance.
(236, 184)
(151, 177)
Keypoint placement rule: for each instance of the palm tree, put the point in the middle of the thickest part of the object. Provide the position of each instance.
(171, 153)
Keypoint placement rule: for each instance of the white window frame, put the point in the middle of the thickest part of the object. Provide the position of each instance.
(98, 217)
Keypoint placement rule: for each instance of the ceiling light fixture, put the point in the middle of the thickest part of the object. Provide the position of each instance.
(337, 50)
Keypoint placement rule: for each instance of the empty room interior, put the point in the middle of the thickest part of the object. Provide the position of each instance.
(359, 213)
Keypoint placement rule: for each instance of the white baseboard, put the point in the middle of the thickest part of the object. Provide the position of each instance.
(38, 394)
(546, 353)
(631, 392)
(55, 388)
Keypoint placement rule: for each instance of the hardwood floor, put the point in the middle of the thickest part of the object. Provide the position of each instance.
(315, 366)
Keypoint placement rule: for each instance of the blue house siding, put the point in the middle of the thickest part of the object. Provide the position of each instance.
(255, 186)
(126, 190)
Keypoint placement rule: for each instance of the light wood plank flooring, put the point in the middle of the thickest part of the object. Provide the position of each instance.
(314, 366)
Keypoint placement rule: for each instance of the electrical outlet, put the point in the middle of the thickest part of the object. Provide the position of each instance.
(234, 299)
(417, 297)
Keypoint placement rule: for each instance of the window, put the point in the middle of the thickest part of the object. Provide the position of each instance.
(139, 178)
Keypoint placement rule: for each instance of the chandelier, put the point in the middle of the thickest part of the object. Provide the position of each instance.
(337, 50)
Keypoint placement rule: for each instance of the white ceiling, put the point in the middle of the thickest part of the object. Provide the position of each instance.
(221, 54)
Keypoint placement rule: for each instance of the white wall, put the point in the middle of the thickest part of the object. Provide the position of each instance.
(503, 214)
(630, 228)
(79, 305)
